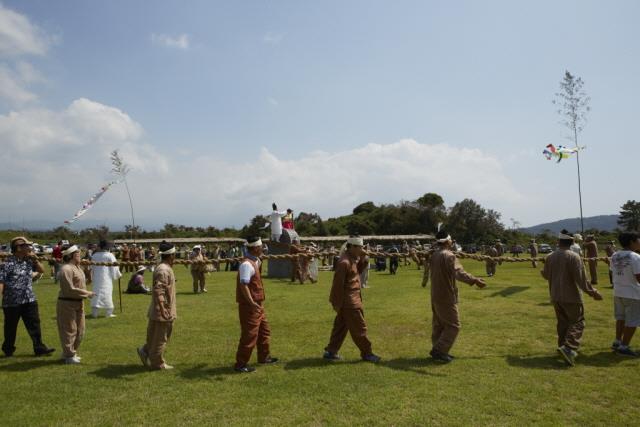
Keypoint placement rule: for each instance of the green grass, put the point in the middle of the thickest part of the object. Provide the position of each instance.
(506, 371)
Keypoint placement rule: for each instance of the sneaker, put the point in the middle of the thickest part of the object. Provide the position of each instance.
(331, 356)
(626, 351)
(438, 356)
(112, 315)
(244, 369)
(165, 366)
(44, 351)
(144, 357)
(204, 290)
(371, 358)
(269, 360)
(568, 355)
(616, 344)
(72, 360)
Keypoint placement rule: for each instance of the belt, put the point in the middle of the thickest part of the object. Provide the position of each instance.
(70, 299)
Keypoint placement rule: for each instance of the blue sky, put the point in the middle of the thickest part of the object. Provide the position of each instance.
(223, 107)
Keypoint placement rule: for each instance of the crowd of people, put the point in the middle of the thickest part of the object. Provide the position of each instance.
(564, 270)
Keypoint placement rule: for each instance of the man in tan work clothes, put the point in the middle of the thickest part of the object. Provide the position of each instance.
(444, 270)
(565, 272)
(533, 250)
(591, 251)
(490, 264)
(162, 310)
(254, 327)
(500, 249)
(198, 269)
(610, 249)
(346, 300)
(126, 257)
(70, 306)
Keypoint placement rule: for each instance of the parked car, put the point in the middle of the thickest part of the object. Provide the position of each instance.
(543, 248)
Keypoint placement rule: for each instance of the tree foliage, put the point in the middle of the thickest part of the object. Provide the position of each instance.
(629, 218)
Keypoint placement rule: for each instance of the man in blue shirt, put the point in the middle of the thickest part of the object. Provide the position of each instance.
(18, 300)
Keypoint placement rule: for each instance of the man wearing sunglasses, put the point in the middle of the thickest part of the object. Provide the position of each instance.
(17, 274)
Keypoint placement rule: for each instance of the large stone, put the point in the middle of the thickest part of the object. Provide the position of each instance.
(281, 269)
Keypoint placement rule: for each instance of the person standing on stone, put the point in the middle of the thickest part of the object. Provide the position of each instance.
(254, 327)
(162, 310)
(17, 274)
(565, 272)
(198, 269)
(275, 219)
(610, 249)
(591, 252)
(533, 250)
(490, 263)
(444, 269)
(346, 300)
(70, 307)
(625, 265)
(103, 278)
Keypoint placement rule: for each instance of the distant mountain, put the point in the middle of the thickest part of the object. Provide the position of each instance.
(600, 222)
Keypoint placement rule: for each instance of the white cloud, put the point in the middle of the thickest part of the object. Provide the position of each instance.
(13, 85)
(179, 42)
(272, 38)
(273, 102)
(18, 36)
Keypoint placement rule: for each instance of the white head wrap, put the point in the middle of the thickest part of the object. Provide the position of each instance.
(70, 250)
(562, 236)
(168, 251)
(445, 240)
(197, 247)
(357, 241)
(577, 237)
(254, 244)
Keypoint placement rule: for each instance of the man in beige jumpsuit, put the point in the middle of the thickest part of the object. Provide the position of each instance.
(533, 250)
(591, 251)
(162, 311)
(198, 269)
(444, 270)
(70, 307)
(565, 272)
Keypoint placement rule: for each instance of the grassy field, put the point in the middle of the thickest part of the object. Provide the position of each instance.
(506, 371)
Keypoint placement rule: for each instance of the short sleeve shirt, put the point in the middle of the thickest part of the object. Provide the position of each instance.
(247, 271)
(18, 282)
(624, 267)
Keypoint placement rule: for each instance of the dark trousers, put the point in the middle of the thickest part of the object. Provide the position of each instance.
(393, 265)
(349, 320)
(570, 325)
(31, 319)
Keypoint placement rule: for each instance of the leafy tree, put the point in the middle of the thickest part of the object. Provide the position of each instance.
(573, 105)
(255, 227)
(366, 207)
(469, 222)
(630, 216)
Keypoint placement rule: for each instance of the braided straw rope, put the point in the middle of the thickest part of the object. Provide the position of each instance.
(291, 257)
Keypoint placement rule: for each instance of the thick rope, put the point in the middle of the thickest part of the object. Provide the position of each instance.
(420, 254)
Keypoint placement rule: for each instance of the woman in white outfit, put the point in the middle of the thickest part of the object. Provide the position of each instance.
(103, 278)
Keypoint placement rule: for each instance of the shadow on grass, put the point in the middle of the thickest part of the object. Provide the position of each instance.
(202, 371)
(600, 360)
(29, 365)
(414, 365)
(119, 372)
(509, 291)
(401, 364)
(315, 362)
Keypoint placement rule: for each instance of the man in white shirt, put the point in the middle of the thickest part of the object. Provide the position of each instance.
(275, 219)
(625, 268)
(575, 247)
